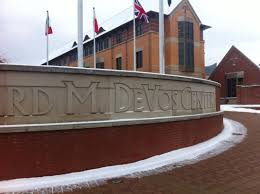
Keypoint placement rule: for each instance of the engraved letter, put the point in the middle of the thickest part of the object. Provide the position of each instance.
(71, 91)
(14, 101)
(138, 100)
(186, 98)
(36, 103)
(165, 103)
(151, 98)
(123, 93)
(175, 99)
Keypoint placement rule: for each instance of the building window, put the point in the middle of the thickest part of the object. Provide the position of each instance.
(73, 57)
(186, 46)
(139, 59)
(90, 49)
(119, 63)
(139, 29)
(101, 45)
(100, 65)
(97, 46)
(85, 51)
(62, 62)
(106, 43)
(119, 37)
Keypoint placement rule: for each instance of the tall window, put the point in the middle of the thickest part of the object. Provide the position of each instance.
(90, 49)
(73, 57)
(101, 45)
(119, 37)
(139, 59)
(119, 63)
(186, 46)
(138, 29)
(85, 53)
(106, 43)
(97, 46)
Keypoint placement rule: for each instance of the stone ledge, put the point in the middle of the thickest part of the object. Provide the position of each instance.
(99, 124)
(107, 72)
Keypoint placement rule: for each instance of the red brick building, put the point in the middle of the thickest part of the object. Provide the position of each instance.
(239, 78)
(184, 45)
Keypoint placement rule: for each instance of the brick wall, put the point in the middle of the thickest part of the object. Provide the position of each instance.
(248, 94)
(33, 154)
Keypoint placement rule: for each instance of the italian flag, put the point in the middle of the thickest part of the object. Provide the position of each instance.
(48, 29)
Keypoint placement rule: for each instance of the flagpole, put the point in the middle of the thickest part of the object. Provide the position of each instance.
(161, 37)
(80, 33)
(47, 39)
(47, 47)
(134, 44)
(94, 38)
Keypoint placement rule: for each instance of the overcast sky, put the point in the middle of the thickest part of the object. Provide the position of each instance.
(22, 24)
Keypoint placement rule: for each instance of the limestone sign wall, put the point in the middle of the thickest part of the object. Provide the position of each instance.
(33, 94)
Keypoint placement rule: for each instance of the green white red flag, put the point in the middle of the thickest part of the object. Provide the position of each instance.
(48, 28)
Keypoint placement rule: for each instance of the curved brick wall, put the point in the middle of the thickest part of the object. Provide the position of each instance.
(56, 120)
(31, 154)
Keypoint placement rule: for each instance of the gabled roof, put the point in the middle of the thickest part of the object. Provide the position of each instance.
(186, 2)
(233, 49)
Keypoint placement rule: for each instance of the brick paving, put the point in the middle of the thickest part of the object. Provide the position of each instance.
(237, 170)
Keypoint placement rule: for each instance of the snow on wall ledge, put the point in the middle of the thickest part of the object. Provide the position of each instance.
(170, 160)
(249, 108)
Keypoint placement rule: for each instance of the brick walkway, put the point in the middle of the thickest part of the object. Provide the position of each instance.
(234, 171)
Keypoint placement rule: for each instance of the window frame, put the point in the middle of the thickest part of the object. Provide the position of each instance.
(139, 59)
(186, 46)
(119, 37)
(119, 63)
(139, 29)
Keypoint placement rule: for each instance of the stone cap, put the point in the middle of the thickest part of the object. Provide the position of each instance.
(107, 72)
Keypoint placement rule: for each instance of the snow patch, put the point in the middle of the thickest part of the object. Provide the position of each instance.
(248, 108)
(155, 164)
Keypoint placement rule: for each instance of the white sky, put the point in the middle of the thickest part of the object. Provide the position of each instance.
(22, 23)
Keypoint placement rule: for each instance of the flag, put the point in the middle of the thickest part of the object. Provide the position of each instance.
(96, 29)
(48, 29)
(169, 2)
(140, 12)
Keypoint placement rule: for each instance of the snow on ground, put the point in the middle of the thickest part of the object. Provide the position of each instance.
(167, 161)
(241, 108)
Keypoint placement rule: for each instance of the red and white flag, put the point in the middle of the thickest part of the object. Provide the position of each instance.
(48, 29)
(95, 23)
(140, 12)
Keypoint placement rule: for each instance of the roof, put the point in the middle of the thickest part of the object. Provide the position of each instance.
(186, 2)
(231, 50)
(209, 69)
